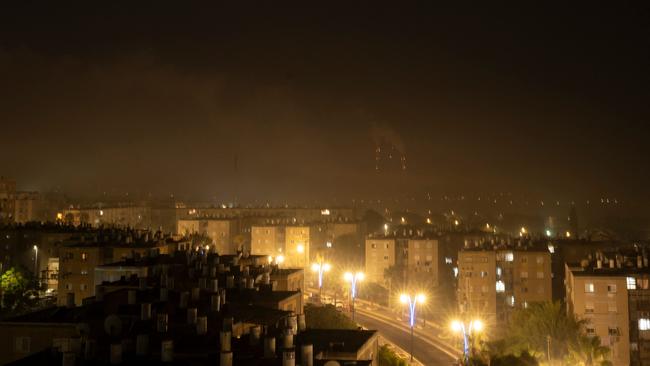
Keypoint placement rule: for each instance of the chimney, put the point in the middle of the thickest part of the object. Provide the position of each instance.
(307, 355)
(167, 351)
(132, 296)
(255, 335)
(292, 323)
(184, 300)
(164, 294)
(225, 358)
(99, 293)
(69, 300)
(192, 315)
(228, 323)
(89, 349)
(224, 340)
(214, 285)
(302, 323)
(287, 339)
(289, 357)
(269, 347)
(145, 311)
(142, 345)
(162, 322)
(68, 359)
(116, 354)
(142, 283)
(215, 303)
(202, 325)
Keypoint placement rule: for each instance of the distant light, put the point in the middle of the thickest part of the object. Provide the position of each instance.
(403, 298)
(455, 271)
(456, 326)
(385, 227)
(329, 244)
(279, 259)
(420, 298)
(325, 212)
(403, 220)
(567, 234)
(207, 247)
(35, 247)
(101, 212)
(361, 276)
(428, 220)
(551, 248)
(456, 222)
(326, 267)
(270, 259)
(59, 216)
(477, 325)
(487, 226)
(348, 276)
(523, 230)
(548, 233)
(300, 248)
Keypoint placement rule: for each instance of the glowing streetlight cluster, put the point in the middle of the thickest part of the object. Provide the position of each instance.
(466, 331)
(411, 301)
(353, 278)
(320, 268)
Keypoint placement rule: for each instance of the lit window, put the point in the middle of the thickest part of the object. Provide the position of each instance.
(455, 271)
(524, 274)
(498, 271)
(448, 260)
(501, 287)
(484, 274)
(644, 324)
(589, 287)
(540, 275)
(540, 260)
(84, 256)
(590, 331)
(509, 257)
(611, 307)
(611, 289)
(511, 301)
(631, 283)
(613, 331)
(589, 307)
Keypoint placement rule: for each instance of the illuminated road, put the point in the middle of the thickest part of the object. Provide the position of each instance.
(424, 349)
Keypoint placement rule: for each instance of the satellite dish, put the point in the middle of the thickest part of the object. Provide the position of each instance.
(332, 363)
(113, 325)
(83, 329)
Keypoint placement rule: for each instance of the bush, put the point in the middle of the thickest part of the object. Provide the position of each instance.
(387, 357)
(326, 317)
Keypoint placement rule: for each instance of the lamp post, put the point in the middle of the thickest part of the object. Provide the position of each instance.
(466, 331)
(36, 262)
(320, 268)
(411, 301)
(353, 278)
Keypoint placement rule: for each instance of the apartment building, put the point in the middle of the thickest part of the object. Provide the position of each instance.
(613, 294)
(222, 231)
(291, 242)
(413, 252)
(493, 281)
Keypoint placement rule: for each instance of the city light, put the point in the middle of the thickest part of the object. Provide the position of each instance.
(320, 268)
(300, 248)
(456, 222)
(548, 233)
(279, 259)
(411, 301)
(353, 278)
(567, 234)
(466, 331)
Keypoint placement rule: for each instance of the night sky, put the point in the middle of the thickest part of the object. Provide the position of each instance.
(288, 102)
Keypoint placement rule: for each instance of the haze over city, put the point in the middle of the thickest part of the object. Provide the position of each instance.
(342, 183)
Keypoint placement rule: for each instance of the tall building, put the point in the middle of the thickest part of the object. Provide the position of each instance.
(494, 281)
(28, 207)
(7, 200)
(223, 232)
(613, 295)
(415, 254)
(292, 242)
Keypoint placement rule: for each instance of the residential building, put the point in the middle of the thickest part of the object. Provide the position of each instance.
(613, 295)
(292, 242)
(7, 200)
(223, 232)
(493, 281)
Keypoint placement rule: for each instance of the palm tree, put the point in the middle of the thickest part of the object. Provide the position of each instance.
(541, 327)
(588, 351)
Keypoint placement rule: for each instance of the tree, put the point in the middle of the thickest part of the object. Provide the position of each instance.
(531, 329)
(386, 357)
(18, 292)
(588, 351)
(327, 317)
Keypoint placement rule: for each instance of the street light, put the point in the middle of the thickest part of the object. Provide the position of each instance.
(466, 331)
(321, 268)
(411, 301)
(36, 261)
(279, 260)
(353, 278)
